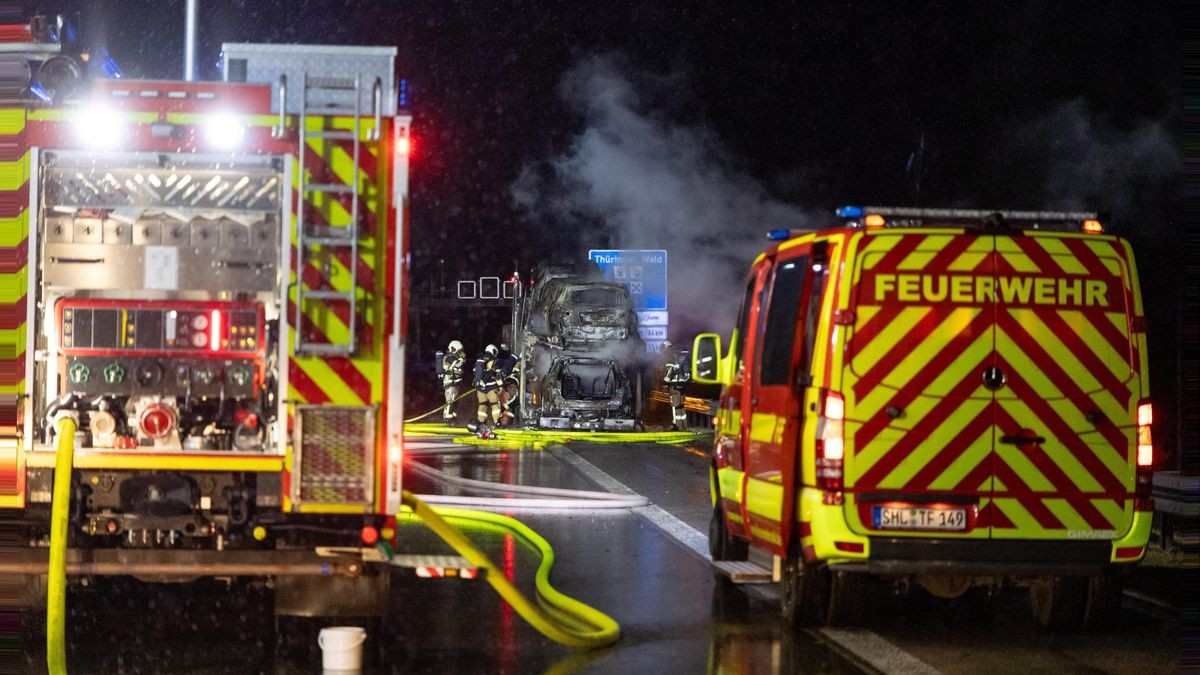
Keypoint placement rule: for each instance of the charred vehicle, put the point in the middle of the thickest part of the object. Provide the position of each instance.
(572, 313)
(580, 392)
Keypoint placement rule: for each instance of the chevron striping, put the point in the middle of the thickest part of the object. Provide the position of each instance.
(1032, 505)
(954, 349)
(967, 439)
(962, 429)
(1062, 433)
(920, 432)
(1110, 404)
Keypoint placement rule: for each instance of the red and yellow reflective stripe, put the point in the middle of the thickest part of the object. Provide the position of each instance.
(1060, 330)
(14, 277)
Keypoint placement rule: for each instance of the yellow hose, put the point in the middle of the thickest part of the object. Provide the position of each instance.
(56, 584)
(440, 407)
(584, 435)
(559, 617)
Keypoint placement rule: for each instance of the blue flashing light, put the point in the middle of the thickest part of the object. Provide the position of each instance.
(108, 66)
(402, 94)
(779, 235)
(850, 212)
(38, 90)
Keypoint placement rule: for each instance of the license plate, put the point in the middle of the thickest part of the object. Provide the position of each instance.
(918, 518)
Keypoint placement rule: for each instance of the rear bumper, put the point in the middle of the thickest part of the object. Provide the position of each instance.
(975, 557)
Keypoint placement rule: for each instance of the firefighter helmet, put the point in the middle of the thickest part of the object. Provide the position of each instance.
(491, 350)
(454, 346)
(666, 346)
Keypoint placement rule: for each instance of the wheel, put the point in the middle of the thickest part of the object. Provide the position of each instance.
(1058, 603)
(1103, 606)
(721, 544)
(805, 598)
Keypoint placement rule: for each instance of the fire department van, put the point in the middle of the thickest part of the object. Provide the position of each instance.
(949, 398)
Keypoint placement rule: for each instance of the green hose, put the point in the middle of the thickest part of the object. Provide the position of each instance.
(559, 617)
(56, 584)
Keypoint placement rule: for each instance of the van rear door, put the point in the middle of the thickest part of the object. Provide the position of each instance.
(992, 386)
(919, 419)
(1065, 415)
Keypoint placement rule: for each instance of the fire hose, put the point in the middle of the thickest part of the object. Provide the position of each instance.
(555, 615)
(56, 583)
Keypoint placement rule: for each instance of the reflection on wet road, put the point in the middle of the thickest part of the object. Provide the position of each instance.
(644, 566)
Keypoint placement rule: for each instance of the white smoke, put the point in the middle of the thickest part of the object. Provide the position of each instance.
(651, 183)
(1087, 161)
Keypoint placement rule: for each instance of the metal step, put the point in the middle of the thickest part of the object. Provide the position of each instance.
(329, 187)
(331, 83)
(337, 134)
(742, 572)
(328, 295)
(328, 241)
(324, 348)
(335, 110)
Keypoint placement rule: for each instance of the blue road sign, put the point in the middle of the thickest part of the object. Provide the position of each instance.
(644, 273)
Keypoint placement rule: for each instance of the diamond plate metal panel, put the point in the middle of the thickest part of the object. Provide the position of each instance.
(325, 65)
(335, 448)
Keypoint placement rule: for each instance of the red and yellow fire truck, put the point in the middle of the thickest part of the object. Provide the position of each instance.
(950, 398)
(208, 279)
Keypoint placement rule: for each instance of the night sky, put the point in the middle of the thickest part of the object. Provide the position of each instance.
(545, 128)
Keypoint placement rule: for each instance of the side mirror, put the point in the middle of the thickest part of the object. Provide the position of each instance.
(706, 359)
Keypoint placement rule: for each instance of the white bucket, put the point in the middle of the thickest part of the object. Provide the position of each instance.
(341, 647)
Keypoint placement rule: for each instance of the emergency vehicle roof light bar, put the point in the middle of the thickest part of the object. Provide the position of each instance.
(914, 217)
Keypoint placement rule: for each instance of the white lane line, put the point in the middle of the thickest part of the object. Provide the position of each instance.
(864, 645)
(877, 652)
(685, 534)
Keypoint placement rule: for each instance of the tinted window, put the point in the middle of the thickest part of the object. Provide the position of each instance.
(780, 334)
(810, 324)
(743, 318)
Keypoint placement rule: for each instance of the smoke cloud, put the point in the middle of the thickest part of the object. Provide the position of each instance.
(634, 178)
(1087, 161)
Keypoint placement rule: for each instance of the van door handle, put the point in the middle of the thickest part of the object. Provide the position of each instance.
(1021, 440)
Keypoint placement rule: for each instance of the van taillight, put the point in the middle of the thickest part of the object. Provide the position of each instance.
(830, 442)
(1145, 457)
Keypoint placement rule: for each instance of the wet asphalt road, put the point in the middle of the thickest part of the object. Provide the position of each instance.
(674, 618)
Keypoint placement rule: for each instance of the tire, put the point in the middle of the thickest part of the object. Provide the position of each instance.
(721, 544)
(1103, 607)
(806, 592)
(1058, 603)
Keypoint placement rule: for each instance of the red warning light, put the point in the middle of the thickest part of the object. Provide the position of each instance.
(214, 327)
(370, 535)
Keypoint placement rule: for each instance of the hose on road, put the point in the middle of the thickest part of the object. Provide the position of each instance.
(559, 617)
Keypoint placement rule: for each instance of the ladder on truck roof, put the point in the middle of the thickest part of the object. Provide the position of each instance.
(331, 96)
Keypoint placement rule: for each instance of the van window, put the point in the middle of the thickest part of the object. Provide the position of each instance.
(816, 288)
(743, 318)
(780, 335)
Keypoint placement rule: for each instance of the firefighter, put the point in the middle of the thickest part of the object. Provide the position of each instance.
(510, 365)
(488, 382)
(676, 375)
(449, 367)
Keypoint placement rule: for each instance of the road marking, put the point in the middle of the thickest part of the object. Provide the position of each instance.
(868, 648)
(876, 652)
(685, 534)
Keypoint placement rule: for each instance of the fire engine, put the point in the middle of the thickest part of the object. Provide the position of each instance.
(954, 399)
(208, 279)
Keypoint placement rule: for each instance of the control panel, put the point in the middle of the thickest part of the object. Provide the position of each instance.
(168, 348)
